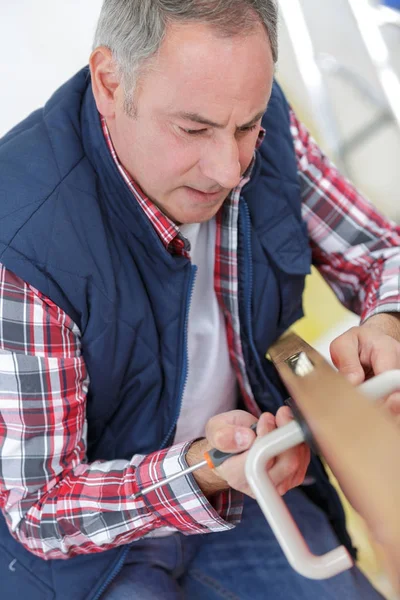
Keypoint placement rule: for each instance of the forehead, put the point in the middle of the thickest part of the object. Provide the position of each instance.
(196, 67)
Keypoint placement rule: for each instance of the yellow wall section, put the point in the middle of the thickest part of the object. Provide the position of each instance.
(321, 308)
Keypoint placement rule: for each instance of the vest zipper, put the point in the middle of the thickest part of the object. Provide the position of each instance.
(114, 573)
(182, 386)
(185, 368)
(248, 265)
(248, 272)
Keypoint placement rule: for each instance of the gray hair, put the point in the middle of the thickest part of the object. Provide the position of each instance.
(134, 29)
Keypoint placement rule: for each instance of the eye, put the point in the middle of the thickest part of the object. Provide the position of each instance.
(193, 131)
(248, 129)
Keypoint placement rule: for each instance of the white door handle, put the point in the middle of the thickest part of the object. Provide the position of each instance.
(274, 507)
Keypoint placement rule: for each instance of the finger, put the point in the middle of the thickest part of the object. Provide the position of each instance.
(291, 466)
(392, 403)
(345, 356)
(230, 432)
(384, 355)
(266, 424)
(233, 469)
(229, 438)
(233, 472)
(284, 416)
(241, 418)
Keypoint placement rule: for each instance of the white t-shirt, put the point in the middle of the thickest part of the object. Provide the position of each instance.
(211, 386)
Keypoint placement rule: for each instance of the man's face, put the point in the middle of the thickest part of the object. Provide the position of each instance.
(198, 113)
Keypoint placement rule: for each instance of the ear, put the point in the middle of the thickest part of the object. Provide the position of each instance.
(105, 81)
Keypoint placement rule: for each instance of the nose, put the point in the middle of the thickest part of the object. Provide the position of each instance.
(221, 164)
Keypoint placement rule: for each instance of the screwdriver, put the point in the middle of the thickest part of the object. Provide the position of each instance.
(212, 458)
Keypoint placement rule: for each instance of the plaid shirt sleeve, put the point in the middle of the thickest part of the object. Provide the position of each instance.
(355, 248)
(55, 503)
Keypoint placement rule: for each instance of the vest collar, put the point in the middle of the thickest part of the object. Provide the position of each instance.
(118, 200)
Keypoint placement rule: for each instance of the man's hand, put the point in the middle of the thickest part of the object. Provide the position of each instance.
(369, 350)
(230, 432)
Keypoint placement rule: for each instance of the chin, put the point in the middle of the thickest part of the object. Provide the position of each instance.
(186, 208)
(199, 215)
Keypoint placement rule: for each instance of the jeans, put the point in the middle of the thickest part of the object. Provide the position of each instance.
(245, 563)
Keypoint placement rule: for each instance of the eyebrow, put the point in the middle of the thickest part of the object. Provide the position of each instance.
(196, 118)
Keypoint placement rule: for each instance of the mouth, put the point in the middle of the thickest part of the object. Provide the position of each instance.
(204, 196)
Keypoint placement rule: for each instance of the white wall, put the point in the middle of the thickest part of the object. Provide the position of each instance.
(42, 44)
(374, 165)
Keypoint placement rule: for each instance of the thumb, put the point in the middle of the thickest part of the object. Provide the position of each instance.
(345, 356)
(385, 355)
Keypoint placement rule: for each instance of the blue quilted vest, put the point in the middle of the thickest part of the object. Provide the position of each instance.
(71, 228)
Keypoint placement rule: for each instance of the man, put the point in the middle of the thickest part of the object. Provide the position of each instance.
(153, 245)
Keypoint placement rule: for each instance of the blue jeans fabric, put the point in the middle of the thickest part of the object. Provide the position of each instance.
(245, 563)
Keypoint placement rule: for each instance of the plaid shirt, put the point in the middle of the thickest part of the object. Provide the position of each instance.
(58, 505)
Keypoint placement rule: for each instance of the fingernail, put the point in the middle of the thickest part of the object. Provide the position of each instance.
(242, 439)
